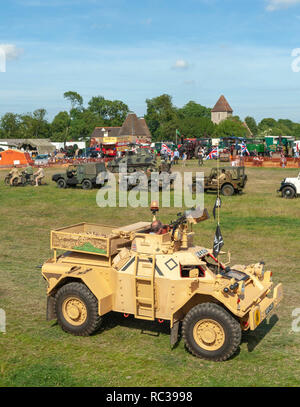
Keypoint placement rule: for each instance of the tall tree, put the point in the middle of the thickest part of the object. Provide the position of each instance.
(110, 112)
(74, 98)
(229, 128)
(10, 124)
(61, 127)
(251, 123)
(193, 109)
(160, 110)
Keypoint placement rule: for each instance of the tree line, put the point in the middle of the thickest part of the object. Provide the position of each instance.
(163, 118)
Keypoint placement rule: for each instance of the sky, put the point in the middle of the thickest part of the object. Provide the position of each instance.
(131, 50)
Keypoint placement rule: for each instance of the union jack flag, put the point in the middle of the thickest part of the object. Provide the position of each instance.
(166, 148)
(245, 149)
(213, 154)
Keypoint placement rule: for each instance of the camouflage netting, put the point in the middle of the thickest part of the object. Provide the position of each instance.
(89, 242)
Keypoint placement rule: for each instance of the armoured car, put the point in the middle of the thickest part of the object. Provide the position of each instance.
(153, 271)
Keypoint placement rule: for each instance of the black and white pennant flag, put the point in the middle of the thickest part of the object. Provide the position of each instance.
(218, 242)
(218, 204)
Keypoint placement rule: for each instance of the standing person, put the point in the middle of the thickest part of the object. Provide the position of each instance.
(14, 173)
(39, 175)
(176, 156)
(283, 160)
(200, 157)
(184, 157)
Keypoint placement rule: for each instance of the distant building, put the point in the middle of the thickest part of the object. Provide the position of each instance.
(133, 129)
(221, 111)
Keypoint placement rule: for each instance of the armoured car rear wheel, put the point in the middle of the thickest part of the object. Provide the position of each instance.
(61, 183)
(210, 332)
(288, 192)
(76, 309)
(87, 184)
(227, 190)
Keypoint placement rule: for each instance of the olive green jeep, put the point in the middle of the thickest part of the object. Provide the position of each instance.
(87, 175)
(230, 180)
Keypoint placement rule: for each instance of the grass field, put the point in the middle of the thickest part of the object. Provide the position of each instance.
(257, 225)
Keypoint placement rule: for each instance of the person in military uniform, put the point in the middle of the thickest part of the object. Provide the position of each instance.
(39, 175)
(220, 178)
(28, 172)
(14, 173)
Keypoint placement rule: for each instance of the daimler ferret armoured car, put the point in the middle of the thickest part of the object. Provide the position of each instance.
(155, 272)
(290, 187)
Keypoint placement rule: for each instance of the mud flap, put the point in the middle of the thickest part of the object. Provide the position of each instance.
(50, 313)
(174, 334)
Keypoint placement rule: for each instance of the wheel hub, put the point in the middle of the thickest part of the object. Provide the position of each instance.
(209, 334)
(74, 311)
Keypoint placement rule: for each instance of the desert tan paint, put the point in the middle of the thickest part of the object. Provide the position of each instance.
(142, 276)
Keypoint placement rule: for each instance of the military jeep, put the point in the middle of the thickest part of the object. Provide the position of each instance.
(86, 175)
(230, 180)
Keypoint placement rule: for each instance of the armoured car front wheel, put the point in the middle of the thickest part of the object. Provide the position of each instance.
(210, 332)
(288, 193)
(76, 309)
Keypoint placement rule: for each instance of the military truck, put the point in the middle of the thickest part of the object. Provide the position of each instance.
(230, 180)
(290, 187)
(155, 272)
(132, 161)
(86, 175)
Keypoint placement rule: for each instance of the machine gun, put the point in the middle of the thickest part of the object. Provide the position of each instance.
(181, 220)
(193, 216)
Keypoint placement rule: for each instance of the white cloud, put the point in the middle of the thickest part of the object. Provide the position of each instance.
(11, 51)
(180, 64)
(279, 4)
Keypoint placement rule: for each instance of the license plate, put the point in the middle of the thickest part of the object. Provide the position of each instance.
(269, 309)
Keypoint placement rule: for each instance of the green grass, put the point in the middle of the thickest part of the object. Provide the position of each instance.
(257, 225)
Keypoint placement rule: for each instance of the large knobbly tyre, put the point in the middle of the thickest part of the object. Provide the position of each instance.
(87, 184)
(227, 190)
(76, 309)
(288, 192)
(210, 332)
(61, 183)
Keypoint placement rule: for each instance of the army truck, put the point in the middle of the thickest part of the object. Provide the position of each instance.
(230, 180)
(155, 272)
(132, 161)
(86, 175)
(290, 187)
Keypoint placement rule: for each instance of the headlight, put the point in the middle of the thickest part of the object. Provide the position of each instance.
(241, 289)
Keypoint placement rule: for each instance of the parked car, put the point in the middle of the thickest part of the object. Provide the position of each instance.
(41, 159)
(290, 187)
